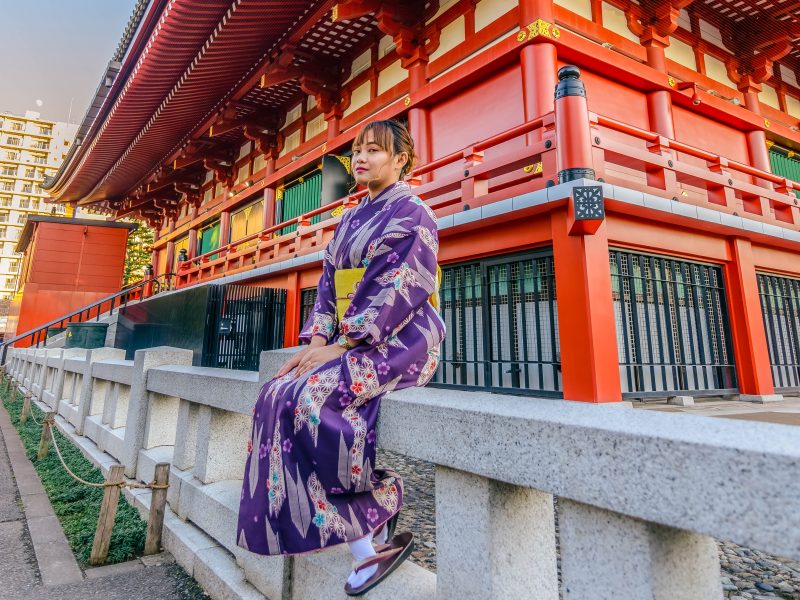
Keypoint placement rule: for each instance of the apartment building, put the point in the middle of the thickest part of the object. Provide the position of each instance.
(30, 148)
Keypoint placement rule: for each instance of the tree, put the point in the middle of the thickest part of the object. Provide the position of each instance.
(137, 256)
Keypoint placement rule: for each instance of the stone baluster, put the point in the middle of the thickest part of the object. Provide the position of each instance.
(608, 555)
(493, 540)
(139, 402)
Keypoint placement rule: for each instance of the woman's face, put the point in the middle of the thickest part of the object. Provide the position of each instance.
(375, 167)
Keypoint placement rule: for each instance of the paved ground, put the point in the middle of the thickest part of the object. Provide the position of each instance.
(20, 575)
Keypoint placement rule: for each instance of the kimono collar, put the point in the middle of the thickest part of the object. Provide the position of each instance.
(391, 192)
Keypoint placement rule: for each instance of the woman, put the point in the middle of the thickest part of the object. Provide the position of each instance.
(310, 480)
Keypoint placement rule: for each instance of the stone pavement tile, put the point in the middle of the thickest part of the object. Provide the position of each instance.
(36, 505)
(18, 571)
(57, 564)
(45, 529)
(114, 570)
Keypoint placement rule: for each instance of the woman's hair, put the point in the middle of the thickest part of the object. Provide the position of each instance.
(391, 136)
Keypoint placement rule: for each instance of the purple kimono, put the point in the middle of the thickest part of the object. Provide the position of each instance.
(309, 479)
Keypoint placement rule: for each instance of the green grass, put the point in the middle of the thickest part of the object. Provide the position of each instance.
(76, 505)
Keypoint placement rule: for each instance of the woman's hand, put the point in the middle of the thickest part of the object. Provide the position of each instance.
(317, 356)
(316, 342)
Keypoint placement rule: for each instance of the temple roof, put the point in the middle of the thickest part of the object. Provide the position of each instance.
(188, 60)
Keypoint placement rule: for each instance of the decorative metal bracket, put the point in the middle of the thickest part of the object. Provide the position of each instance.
(586, 209)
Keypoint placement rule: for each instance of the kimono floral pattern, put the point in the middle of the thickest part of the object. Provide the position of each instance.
(275, 484)
(314, 483)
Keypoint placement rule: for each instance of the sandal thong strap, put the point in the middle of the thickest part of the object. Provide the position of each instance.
(374, 560)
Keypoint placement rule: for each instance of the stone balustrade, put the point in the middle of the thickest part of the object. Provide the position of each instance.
(641, 495)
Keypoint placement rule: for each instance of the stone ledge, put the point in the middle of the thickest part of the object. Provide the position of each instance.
(225, 389)
(588, 453)
(119, 371)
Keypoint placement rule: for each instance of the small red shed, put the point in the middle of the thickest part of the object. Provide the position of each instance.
(67, 264)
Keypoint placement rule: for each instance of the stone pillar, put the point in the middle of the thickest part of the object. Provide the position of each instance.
(608, 555)
(56, 393)
(222, 444)
(753, 368)
(87, 384)
(139, 400)
(493, 540)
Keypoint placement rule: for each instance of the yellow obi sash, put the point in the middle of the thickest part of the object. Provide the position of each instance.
(346, 282)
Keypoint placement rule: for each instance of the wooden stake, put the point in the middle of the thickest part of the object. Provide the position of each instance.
(108, 512)
(26, 409)
(158, 503)
(44, 441)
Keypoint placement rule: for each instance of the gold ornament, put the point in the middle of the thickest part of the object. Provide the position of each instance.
(539, 28)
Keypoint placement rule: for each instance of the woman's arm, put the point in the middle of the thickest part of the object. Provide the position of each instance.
(320, 327)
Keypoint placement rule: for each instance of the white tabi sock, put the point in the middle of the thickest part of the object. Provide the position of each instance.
(383, 535)
(361, 549)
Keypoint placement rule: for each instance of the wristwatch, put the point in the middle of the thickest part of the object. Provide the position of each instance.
(342, 342)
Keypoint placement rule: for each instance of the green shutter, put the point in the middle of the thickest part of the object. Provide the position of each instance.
(785, 167)
(209, 238)
(301, 197)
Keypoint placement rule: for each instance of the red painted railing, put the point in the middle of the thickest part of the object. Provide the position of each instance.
(477, 181)
(720, 184)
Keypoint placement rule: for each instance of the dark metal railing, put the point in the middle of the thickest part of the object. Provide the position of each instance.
(308, 297)
(136, 291)
(673, 331)
(502, 326)
(243, 321)
(780, 307)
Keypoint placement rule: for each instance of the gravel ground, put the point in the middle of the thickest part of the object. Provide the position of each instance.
(746, 574)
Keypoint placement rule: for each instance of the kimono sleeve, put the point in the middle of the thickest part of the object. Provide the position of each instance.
(322, 320)
(400, 276)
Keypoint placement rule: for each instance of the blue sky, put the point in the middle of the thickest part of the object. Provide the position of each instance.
(55, 51)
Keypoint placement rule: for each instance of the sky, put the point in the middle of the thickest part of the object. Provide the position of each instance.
(54, 52)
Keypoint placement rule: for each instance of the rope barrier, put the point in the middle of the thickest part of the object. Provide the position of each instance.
(130, 485)
(50, 423)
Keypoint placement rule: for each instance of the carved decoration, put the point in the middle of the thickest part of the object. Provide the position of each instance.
(539, 28)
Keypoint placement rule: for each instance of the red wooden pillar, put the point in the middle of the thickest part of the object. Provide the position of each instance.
(659, 103)
(659, 110)
(191, 250)
(419, 118)
(747, 323)
(269, 198)
(292, 323)
(170, 250)
(538, 62)
(756, 140)
(586, 326)
(224, 228)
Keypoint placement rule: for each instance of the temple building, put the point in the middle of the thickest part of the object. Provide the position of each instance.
(634, 234)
